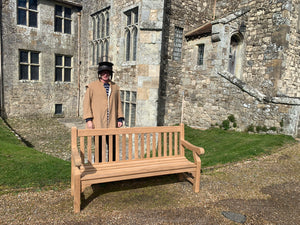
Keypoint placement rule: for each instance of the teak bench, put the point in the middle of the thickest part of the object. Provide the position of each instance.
(140, 152)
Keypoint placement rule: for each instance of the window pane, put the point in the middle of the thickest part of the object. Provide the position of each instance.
(102, 26)
(134, 47)
(24, 56)
(22, 3)
(58, 24)
(68, 61)
(128, 18)
(67, 75)
(133, 110)
(34, 73)
(58, 74)
(23, 72)
(58, 60)
(136, 15)
(106, 48)
(200, 54)
(107, 24)
(67, 27)
(128, 46)
(58, 109)
(34, 57)
(68, 12)
(58, 10)
(32, 19)
(33, 4)
(127, 114)
(128, 96)
(133, 96)
(21, 16)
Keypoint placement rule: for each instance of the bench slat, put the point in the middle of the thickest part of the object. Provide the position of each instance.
(89, 148)
(130, 147)
(117, 147)
(136, 146)
(82, 149)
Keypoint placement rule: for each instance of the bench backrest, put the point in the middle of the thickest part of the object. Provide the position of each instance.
(137, 143)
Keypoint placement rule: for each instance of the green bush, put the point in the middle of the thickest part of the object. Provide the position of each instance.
(226, 124)
(231, 118)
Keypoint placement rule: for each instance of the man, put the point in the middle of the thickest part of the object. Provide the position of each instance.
(102, 106)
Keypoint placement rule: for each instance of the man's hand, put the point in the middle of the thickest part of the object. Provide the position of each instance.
(90, 125)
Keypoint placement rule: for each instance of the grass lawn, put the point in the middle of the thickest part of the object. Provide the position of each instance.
(230, 146)
(23, 167)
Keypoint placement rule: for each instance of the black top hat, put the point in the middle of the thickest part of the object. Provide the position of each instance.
(102, 66)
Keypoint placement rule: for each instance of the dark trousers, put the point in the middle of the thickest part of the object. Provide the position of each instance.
(107, 143)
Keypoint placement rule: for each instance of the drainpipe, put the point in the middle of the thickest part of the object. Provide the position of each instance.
(79, 62)
(214, 10)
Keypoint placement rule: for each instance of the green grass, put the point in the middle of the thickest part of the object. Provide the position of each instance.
(229, 146)
(24, 167)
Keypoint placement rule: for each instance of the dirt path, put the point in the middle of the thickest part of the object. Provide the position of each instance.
(265, 190)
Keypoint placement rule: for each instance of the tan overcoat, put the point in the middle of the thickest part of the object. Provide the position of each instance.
(96, 102)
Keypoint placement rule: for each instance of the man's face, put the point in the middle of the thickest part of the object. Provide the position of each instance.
(105, 75)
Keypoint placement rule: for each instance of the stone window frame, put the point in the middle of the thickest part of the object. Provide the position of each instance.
(178, 41)
(64, 18)
(32, 65)
(31, 13)
(66, 68)
(101, 36)
(131, 34)
(128, 100)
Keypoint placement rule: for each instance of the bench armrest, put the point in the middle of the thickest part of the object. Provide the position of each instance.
(192, 147)
(76, 157)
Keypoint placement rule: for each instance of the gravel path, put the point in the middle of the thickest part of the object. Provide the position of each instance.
(265, 190)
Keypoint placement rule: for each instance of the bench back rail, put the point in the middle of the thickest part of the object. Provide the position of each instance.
(131, 144)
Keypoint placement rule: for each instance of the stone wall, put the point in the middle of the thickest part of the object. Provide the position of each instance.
(38, 97)
(209, 98)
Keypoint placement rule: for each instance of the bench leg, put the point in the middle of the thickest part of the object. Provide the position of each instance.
(196, 185)
(77, 193)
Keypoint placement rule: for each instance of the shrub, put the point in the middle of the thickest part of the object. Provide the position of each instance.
(226, 124)
(258, 129)
(231, 118)
(250, 128)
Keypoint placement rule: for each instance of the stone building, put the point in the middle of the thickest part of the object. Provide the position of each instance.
(39, 61)
(175, 60)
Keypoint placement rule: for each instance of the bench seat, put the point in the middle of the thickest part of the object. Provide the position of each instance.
(108, 172)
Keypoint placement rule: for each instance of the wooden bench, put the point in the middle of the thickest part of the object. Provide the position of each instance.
(140, 152)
